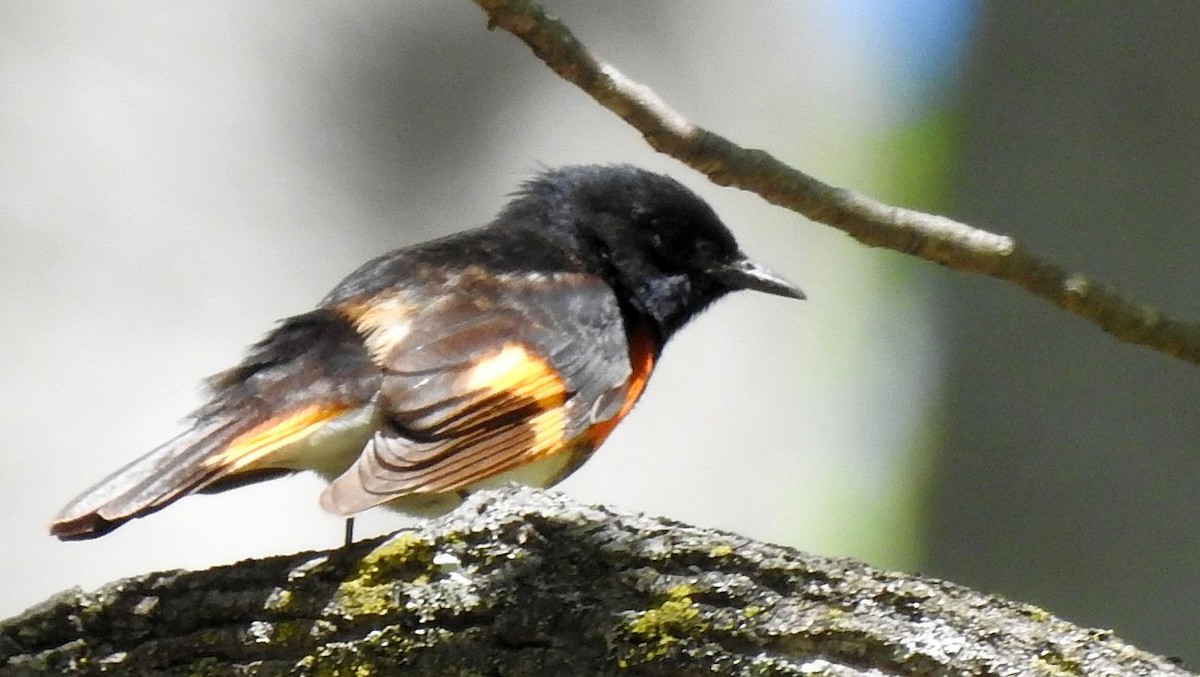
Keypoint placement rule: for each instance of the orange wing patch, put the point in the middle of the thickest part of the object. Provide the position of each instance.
(515, 378)
(549, 428)
(504, 411)
(516, 373)
(258, 443)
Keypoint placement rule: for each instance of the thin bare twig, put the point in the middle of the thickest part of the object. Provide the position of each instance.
(928, 236)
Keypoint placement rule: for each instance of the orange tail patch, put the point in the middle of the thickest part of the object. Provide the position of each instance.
(253, 448)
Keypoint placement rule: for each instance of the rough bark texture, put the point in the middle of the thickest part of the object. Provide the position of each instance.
(525, 582)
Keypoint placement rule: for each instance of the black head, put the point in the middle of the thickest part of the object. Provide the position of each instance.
(648, 235)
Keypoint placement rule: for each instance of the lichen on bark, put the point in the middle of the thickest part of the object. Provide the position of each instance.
(525, 582)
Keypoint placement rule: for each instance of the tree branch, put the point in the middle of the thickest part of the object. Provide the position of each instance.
(524, 582)
(928, 236)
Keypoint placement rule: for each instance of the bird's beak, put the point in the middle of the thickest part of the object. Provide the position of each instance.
(746, 274)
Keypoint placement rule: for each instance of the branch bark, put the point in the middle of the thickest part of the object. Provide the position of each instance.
(524, 582)
(928, 236)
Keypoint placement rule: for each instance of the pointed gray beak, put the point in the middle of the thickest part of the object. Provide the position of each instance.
(746, 274)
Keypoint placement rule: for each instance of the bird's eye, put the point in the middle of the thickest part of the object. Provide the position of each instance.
(705, 250)
(676, 245)
(671, 235)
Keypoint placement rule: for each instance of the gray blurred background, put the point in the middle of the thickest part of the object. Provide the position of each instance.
(176, 177)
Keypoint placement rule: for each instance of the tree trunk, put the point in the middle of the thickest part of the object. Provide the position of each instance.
(524, 582)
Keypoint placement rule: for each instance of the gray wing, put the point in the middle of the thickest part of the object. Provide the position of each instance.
(479, 383)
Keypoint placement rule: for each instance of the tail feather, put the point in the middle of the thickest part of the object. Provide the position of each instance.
(268, 416)
(150, 483)
(215, 456)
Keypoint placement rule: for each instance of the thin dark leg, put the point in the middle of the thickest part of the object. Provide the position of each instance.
(349, 532)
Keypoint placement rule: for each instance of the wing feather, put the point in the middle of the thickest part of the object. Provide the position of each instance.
(484, 382)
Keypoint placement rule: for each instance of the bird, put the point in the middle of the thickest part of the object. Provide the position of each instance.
(504, 353)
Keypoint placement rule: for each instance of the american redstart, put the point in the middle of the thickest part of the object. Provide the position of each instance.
(504, 353)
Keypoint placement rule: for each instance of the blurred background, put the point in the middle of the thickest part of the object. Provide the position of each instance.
(176, 177)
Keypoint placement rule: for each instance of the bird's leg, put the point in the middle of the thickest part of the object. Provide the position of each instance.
(349, 532)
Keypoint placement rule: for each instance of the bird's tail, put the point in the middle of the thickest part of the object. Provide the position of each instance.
(300, 400)
(179, 467)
